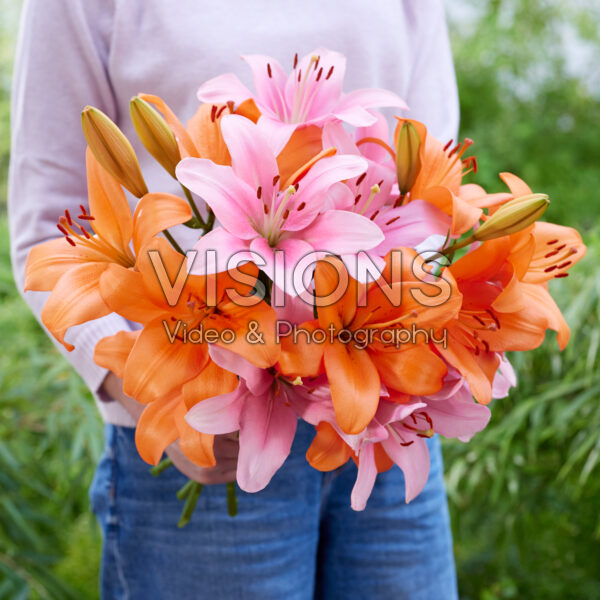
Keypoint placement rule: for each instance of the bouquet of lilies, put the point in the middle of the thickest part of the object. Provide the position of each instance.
(342, 273)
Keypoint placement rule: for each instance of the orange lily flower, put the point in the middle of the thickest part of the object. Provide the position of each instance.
(355, 371)
(506, 305)
(165, 355)
(71, 268)
(163, 420)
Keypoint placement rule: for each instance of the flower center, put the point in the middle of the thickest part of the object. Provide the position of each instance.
(77, 235)
(306, 87)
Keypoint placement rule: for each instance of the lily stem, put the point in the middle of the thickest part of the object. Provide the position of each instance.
(232, 505)
(190, 503)
(195, 210)
(210, 221)
(163, 465)
(185, 490)
(173, 242)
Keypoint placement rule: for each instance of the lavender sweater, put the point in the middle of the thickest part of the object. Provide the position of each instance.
(102, 52)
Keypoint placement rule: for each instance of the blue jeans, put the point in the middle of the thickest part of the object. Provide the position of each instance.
(298, 539)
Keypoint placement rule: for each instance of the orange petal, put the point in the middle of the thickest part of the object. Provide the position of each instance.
(538, 296)
(299, 355)
(556, 250)
(476, 196)
(197, 447)
(205, 130)
(113, 351)
(213, 381)
(355, 386)
(334, 285)
(186, 145)
(109, 207)
(156, 429)
(166, 280)
(413, 370)
(157, 368)
(156, 212)
(124, 292)
(516, 185)
(479, 370)
(75, 299)
(483, 263)
(464, 215)
(49, 261)
(259, 347)
(304, 144)
(249, 110)
(328, 451)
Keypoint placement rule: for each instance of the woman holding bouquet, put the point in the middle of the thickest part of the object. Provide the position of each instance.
(297, 538)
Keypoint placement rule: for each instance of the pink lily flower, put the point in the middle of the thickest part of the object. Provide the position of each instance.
(310, 95)
(401, 426)
(453, 411)
(400, 439)
(374, 193)
(264, 409)
(505, 378)
(258, 218)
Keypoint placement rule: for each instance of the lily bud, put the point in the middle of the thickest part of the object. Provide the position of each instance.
(515, 215)
(155, 134)
(408, 160)
(112, 150)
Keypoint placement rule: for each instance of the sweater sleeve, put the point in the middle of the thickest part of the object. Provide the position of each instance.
(432, 93)
(60, 67)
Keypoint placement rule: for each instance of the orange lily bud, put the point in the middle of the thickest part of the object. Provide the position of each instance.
(155, 134)
(515, 215)
(112, 150)
(408, 161)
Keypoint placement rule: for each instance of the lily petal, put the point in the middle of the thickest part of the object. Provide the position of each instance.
(267, 429)
(75, 299)
(233, 201)
(365, 480)
(414, 462)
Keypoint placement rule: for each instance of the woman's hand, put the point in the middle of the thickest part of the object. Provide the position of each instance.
(226, 446)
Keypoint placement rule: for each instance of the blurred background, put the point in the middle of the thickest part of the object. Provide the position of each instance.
(525, 493)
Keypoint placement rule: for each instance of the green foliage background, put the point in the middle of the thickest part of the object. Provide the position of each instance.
(524, 494)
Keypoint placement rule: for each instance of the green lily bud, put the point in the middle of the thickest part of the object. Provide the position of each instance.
(155, 134)
(408, 160)
(515, 215)
(113, 150)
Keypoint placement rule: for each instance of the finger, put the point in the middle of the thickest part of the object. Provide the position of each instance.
(225, 449)
(221, 478)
